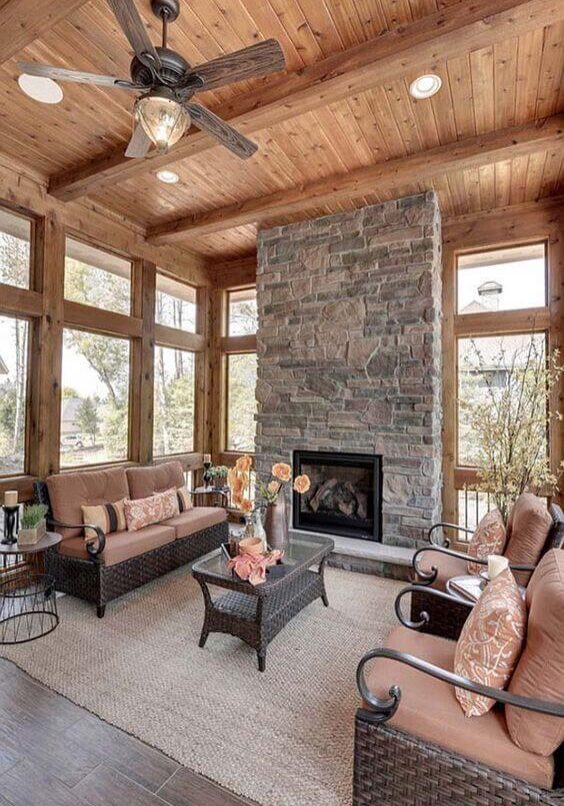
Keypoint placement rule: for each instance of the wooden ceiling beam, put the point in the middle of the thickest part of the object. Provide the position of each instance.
(473, 152)
(23, 21)
(403, 52)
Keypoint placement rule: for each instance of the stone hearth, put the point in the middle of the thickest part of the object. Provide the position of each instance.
(349, 353)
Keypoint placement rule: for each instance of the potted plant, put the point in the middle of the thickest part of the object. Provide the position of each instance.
(218, 474)
(33, 526)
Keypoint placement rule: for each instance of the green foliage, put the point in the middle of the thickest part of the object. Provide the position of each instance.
(32, 515)
(174, 402)
(87, 418)
(115, 431)
(217, 471)
(242, 406)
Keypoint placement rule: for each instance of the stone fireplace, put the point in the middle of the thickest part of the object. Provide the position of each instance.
(349, 352)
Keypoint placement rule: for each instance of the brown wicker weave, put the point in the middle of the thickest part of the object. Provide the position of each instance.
(394, 768)
(95, 582)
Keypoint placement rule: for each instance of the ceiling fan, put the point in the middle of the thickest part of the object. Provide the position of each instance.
(165, 109)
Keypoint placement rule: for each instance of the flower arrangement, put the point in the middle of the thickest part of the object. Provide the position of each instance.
(282, 474)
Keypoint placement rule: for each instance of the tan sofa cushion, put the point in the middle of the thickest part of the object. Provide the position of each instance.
(530, 525)
(489, 538)
(429, 710)
(447, 567)
(540, 671)
(145, 481)
(196, 519)
(490, 641)
(121, 546)
(69, 492)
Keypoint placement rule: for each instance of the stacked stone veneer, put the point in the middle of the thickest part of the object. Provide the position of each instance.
(349, 354)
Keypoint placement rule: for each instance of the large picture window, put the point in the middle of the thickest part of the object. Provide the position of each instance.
(173, 430)
(15, 250)
(96, 277)
(175, 304)
(95, 398)
(14, 343)
(241, 401)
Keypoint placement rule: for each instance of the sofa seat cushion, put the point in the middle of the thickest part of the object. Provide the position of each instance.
(69, 492)
(429, 710)
(121, 546)
(447, 567)
(196, 519)
(146, 481)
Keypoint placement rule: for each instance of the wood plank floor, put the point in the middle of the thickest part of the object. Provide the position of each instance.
(54, 753)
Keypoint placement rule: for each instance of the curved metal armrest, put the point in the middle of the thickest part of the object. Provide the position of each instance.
(91, 547)
(382, 710)
(444, 525)
(428, 577)
(424, 617)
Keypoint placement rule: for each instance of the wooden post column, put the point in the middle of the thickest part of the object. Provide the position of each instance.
(143, 363)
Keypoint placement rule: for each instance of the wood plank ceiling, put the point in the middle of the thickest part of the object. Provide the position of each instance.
(510, 83)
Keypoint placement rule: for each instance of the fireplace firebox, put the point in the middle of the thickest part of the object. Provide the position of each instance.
(345, 497)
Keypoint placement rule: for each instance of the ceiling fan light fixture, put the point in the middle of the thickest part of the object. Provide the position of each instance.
(41, 89)
(163, 119)
(425, 86)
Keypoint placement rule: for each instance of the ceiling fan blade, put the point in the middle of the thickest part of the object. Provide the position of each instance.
(139, 144)
(61, 74)
(222, 131)
(257, 60)
(129, 19)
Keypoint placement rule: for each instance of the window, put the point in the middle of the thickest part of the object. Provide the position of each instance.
(241, 401)
(175, 304)
(15, 239)
(96, 277)
(173, 430)
(14, 341)
(242, 318)
(502, 280)
(95, 398)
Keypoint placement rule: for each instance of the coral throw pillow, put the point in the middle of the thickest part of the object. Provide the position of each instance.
(490, 642)
(489, 538)
(141, 512)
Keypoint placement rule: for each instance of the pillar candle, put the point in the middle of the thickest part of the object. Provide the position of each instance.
(496, 564)
(11, 498)
(207, 458)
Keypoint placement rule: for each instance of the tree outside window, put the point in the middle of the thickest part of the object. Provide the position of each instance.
(14, 336)
(241, 402)
(173, 429)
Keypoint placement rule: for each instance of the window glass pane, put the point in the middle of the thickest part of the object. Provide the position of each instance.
(95, 399)
(98, 278)
(15, 237)
(14, 335)
(502, 280)
(492, 372)
(242, 312)
(241, 402)
(174, 401)
(175, 304)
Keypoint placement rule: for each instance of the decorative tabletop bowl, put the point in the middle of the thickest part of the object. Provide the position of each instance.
(251, 545)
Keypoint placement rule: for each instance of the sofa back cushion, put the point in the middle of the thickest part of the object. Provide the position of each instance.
(146, 481)
(540, 671)
(530, 524)
(69, 492)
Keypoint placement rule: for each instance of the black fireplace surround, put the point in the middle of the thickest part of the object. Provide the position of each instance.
(345, 497)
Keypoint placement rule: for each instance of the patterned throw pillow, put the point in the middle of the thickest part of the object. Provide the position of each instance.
(490, 642)
(140, 512)
(184, 499)
(489, 538)
(109, 517)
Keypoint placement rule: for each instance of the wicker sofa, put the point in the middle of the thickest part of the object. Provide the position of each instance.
(101, 569)
(415, 747)
(435, 564)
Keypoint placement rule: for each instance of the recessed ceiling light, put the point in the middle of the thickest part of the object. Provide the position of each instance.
(425, 86)
(41, 89)
(169, 177)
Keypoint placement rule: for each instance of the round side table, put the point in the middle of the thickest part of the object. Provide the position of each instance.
(28, 603)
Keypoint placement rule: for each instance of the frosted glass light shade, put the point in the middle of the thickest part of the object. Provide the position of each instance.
(163, 119)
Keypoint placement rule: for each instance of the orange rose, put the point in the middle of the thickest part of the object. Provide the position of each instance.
(246, 505)
(282, 471)
(244, 463)
(302, 484)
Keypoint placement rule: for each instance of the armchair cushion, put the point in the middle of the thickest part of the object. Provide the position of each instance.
(530, 525)
(490, 642)
(429, 710)
(489, 538)
(447, 567)
(540, 671)
(146, 481)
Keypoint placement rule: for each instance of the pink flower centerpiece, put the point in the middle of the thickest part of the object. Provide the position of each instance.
(252, 567)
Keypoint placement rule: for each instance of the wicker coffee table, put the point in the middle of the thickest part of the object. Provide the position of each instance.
(257, 614)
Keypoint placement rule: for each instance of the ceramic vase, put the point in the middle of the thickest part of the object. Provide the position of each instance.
(276, 523)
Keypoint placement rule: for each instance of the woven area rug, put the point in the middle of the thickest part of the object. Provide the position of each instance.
(284, 737)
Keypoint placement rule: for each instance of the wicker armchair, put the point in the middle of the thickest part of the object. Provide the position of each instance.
(415, 747)
(435, 562)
